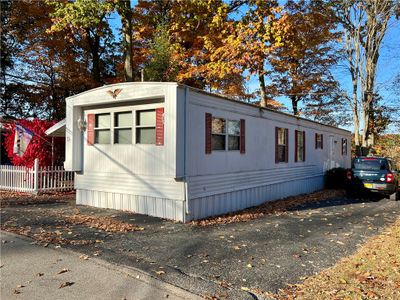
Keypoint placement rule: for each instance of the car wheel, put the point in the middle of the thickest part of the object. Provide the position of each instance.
(350, 193)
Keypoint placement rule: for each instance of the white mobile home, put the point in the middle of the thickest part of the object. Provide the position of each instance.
(171, 151)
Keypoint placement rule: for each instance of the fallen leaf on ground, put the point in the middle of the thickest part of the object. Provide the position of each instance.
(271, 207)
(65, 284)
(104, 223)
(160, 272)
(63, 271)
(84, 257)
(16, 291)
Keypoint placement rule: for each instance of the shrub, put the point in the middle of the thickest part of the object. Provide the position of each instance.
(39, 147)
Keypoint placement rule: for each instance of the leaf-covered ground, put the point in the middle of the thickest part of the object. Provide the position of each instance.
(373, 272)
(271, 207)
(258, 250)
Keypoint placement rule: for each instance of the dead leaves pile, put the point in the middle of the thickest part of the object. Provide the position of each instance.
(104, 223)
(43, 236)
(18, 198)
(373, 272)
(271, 207)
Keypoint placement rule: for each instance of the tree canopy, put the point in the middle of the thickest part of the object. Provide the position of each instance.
(287, 49)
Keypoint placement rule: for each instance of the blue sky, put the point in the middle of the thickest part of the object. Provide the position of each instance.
(388, 68)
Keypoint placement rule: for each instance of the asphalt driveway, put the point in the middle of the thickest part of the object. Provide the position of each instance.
(222, 260)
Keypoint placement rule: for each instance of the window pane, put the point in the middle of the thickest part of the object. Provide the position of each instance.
(218, 126)
(123, 136)
(146, 118)
(281, 136)
(281, 153)
(102, 136)
(233, 142)
(300, 146)
(123, 119)
(102, 121)
(234, 127)
(146, 136)
(319, 141)
(218, 142)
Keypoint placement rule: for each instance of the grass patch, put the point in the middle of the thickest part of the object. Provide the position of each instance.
(373, 272)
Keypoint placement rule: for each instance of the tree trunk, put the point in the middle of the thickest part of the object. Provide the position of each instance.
(263, 95)
(93, 40)
(126, 19)
(356, 117)
(294, 105)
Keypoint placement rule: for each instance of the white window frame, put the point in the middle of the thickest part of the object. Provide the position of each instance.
(319, 143)
(284, 146)
(96, 129)
(300, 137)
(225, 134)
(115, 128)
(145, 126)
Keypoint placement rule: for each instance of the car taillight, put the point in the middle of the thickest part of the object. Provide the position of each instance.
(349, 175)
(389, 177)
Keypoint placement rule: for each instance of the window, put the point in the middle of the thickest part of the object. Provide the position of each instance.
(233, 135)
(344, 146)
(300, 150)
(319, 141)
(123, 128)
(218, 134)
(102, 129)
(281, 145)
(146, 127)
(225, 134)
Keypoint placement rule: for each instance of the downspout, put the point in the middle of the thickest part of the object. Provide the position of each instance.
(185, 176)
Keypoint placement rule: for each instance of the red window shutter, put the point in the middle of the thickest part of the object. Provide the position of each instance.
(208, 133)
(242, 136)
(304, 146)
(295, 145)
(322, 141)
(316, 140)
(287, 145)
(160, 126)
(276, 144)
(90, 129)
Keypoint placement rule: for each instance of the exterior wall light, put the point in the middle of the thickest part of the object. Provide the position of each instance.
(81, 124)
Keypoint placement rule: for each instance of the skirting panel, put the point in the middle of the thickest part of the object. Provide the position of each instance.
(152, 206)
(218, 204)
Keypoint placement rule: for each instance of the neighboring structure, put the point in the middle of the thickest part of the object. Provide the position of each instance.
(175, 152)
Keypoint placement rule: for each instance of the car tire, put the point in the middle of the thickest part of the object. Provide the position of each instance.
(350, 193)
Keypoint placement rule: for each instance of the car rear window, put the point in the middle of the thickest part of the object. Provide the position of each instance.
(370, 164)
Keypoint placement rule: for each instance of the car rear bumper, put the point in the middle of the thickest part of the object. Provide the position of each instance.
(382, 188)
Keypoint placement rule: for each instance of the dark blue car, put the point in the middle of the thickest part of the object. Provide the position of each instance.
(373, 174)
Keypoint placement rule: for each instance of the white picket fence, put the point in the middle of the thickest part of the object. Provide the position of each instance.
(36, 179)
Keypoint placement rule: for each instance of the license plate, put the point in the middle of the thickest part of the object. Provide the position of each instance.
(368, 185)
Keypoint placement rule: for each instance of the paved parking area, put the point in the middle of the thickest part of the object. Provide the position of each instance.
(34, 272)
(223, 260)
